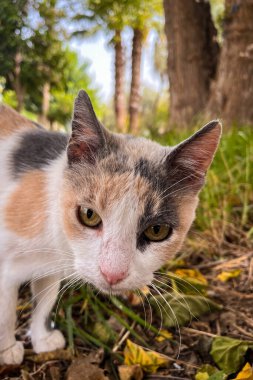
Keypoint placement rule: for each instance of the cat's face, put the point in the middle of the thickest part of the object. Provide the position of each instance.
(127, 203)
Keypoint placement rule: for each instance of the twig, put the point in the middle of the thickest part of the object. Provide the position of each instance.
(198, 332)
(124, 337)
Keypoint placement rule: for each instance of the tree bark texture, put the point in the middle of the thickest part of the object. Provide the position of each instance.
(45, 105)
(232, 92)
(192, 56)
(119, 93)
(134, 100)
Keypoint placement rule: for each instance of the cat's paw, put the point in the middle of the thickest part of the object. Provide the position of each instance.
(13, 354)
(53, 341)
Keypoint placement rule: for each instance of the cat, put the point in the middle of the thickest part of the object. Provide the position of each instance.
(106, 208)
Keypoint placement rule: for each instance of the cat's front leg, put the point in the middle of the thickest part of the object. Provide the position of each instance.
(45, 291)
(11, 351)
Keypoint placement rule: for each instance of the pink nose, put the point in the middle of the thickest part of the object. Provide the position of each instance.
(113, 278)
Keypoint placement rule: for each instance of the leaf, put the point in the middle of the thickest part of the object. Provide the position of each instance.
(179, 309)
(208, 372)
(53, 355)
(101, 331)
(229, 353)
(82, 368)
(150, 361)
(164, 334)
(130, 372)
(225, 276)
(246, 373)
(188, 281)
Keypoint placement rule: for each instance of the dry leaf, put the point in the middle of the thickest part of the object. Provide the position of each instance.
(130, 372)
(246, 373)
(150, 361)
(225, 276)
(82, 369)
(164, 334)
(192, 275)
(53, 355)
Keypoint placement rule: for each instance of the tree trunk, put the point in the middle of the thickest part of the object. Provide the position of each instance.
(16, 82)
(192, 56)
(45, 105)
(232, 93)
(134, 100)
(119, 93)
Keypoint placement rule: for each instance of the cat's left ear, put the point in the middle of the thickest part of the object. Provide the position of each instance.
(87, 140)
(193, 156)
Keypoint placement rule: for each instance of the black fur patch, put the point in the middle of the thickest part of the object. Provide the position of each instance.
(37, 149)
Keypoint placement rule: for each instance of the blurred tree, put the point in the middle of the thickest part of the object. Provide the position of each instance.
(142, 17)
(232, 92)
(192, 56)
(46, 60)
(74, 77)
(109, 16)
(14, 35)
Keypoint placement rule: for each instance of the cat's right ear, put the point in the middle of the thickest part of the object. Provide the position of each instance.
(87, 140)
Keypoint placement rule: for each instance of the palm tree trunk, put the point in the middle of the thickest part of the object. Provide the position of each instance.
(18, 88)
(119, 93)
(134, 100)
(232, 92)
(45, 105)
(192, 57)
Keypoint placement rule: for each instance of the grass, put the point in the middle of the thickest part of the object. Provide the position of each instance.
(226, 205)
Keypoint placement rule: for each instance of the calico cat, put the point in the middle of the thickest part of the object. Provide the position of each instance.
(105, 208)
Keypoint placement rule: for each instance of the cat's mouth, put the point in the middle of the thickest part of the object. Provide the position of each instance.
(108, 289)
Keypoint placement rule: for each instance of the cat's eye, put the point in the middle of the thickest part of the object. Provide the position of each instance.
(158, 232)
(88, 217)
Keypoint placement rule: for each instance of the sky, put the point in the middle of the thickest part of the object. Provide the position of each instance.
(101, 58)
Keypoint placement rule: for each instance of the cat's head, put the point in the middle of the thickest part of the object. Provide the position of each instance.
(127, 203)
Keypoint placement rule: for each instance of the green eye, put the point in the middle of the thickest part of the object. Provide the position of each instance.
(88, 217)
(158, 232)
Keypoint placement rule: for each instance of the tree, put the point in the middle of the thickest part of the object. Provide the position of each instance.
(142, 19)
(46, 60)
(192, 57)
(109, 16)
(232, 92)
(14, 29)
(74, 77)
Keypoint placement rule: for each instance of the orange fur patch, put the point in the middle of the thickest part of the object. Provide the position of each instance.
(11, 121)
(25, 212)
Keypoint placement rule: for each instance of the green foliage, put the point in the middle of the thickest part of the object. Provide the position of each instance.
(229, 353)
(74, 78)
(13, 30)
(178, 309)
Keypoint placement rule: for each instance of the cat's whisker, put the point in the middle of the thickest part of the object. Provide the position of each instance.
(70, 283)
(48, 289)
(184, 281)
(160, 310)
(184, 304)
(143, 305)
(174, 316)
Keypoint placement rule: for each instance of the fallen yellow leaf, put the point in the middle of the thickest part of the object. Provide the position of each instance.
(130, 372)
(150, 361)
(191, 274)
(225, 276)
(164, 334)
(246, 373)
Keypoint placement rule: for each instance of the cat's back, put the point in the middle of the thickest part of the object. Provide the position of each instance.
(12, 122)
(25, 146)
